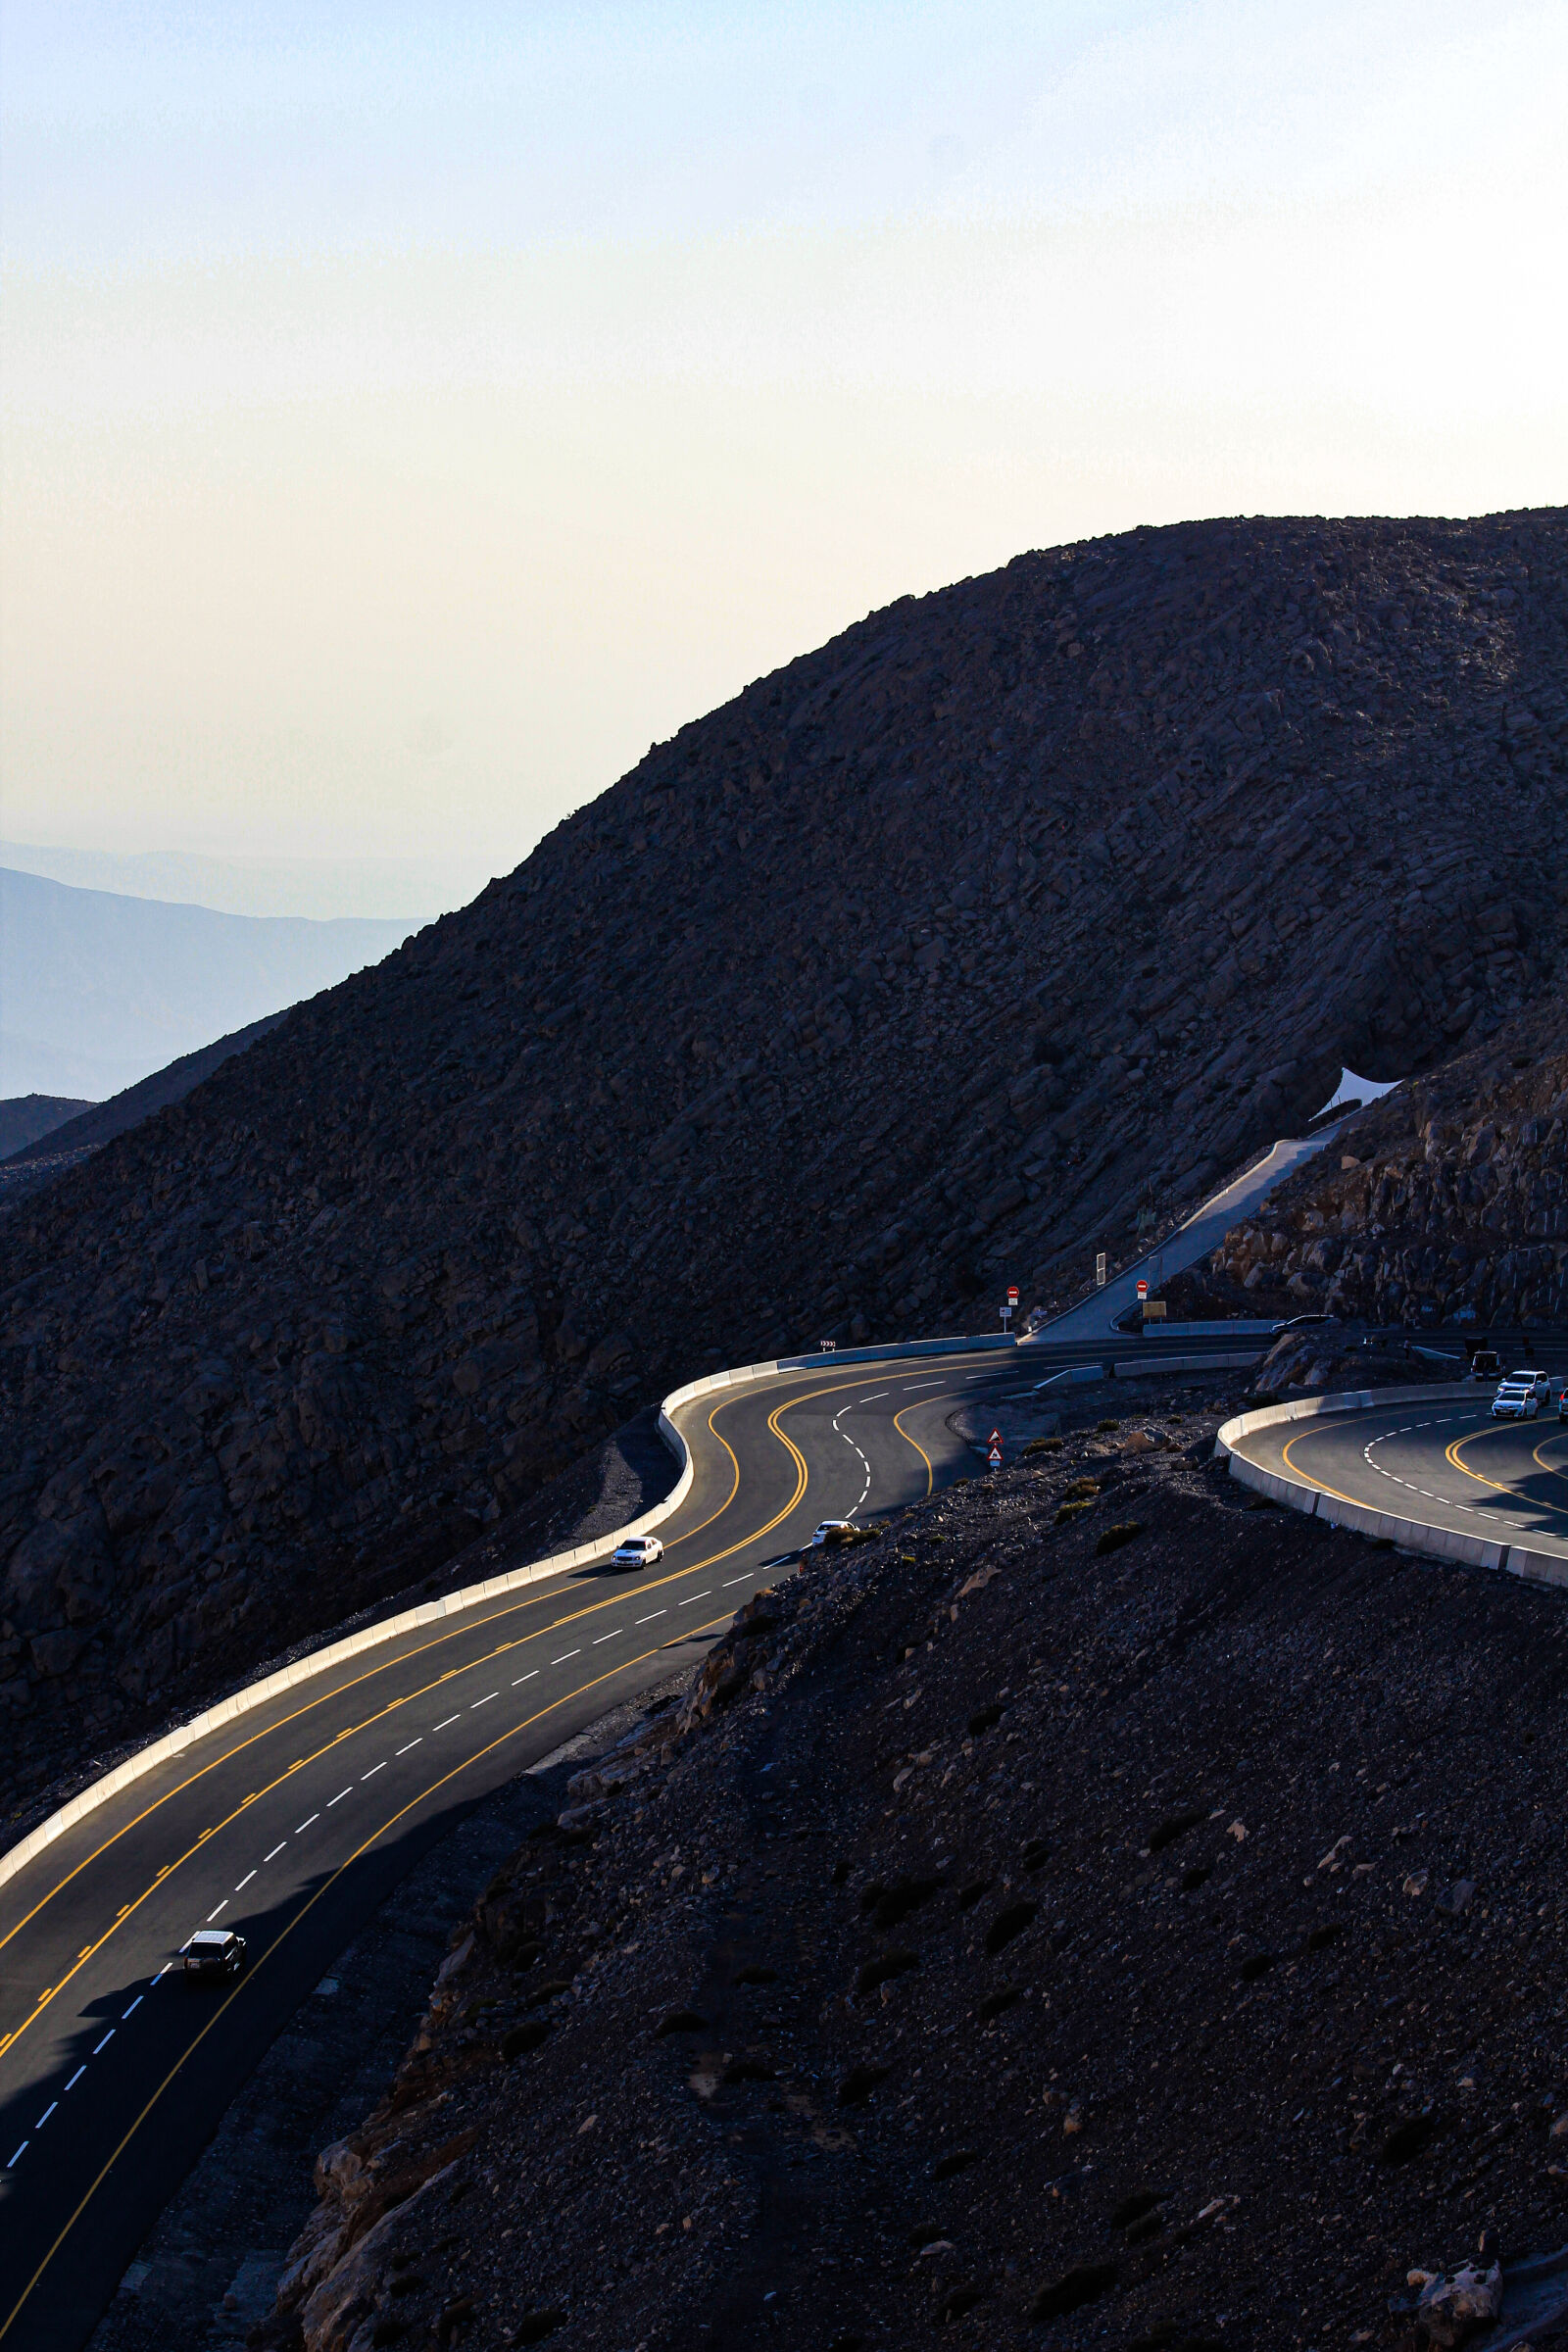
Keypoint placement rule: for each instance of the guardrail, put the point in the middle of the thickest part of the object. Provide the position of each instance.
(256, 1695)
(1409, 1534)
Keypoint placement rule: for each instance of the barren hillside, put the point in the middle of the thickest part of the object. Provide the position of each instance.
(916, 968)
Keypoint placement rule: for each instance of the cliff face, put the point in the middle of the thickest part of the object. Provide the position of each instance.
(1445, 1204)
(919, 967)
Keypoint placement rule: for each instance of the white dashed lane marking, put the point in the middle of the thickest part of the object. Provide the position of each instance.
(1451, 1502)
(407, 1750)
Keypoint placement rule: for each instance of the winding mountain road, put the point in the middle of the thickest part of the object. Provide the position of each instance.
(1446, 1464)
(293, 1822)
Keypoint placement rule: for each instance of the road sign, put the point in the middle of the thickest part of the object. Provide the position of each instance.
(1143, 1292)
(995, 1438)
(1099, 1270)
(1013, 1294)
(994, 1458)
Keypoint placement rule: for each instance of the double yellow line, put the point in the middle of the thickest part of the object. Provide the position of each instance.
(801, 1481)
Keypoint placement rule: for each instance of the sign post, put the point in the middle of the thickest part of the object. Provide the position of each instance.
(1010, 1307)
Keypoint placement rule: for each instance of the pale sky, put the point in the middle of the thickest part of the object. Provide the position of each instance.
(408, 414)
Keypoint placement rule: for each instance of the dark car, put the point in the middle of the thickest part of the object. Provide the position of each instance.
(1300, 1322)
(213, 1954)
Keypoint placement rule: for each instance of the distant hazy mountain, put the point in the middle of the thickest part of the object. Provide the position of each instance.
(98, 991)
(25, 1117)
(375, 889)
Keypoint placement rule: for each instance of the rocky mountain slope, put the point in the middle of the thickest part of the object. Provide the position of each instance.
(23, 1118)
(918, 967)
(44, 1156)
(1098, 1909)
(1447, 1202)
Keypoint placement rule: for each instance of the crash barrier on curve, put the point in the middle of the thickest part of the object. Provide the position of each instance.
(305, 1669)
(1408, 1534)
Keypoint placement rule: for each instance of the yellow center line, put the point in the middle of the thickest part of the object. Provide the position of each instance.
(389, 1707)
(898, 1423)
(403, 1658)
(1311, 1476)
(280, 1937)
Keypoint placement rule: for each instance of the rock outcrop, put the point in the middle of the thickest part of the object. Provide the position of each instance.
(1447, 1204)
(925, 964)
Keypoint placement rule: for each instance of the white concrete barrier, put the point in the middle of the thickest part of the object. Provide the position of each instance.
(1385, 1527)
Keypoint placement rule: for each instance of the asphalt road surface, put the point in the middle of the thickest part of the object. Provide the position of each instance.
(1448, 1464)
(294, 1822)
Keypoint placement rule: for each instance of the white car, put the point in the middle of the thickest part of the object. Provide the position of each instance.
(1521, 1396)
(638, 1551)
(834, 1530)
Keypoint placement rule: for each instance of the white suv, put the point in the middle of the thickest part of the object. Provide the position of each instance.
(1521, 1396)
(638, 1551)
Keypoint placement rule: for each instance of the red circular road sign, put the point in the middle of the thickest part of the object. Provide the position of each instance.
(1013, 1294)
(1143, 1290)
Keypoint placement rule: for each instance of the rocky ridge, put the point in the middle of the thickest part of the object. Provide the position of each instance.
(1446, 1203)
(1099, 1904)
(923, 964)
